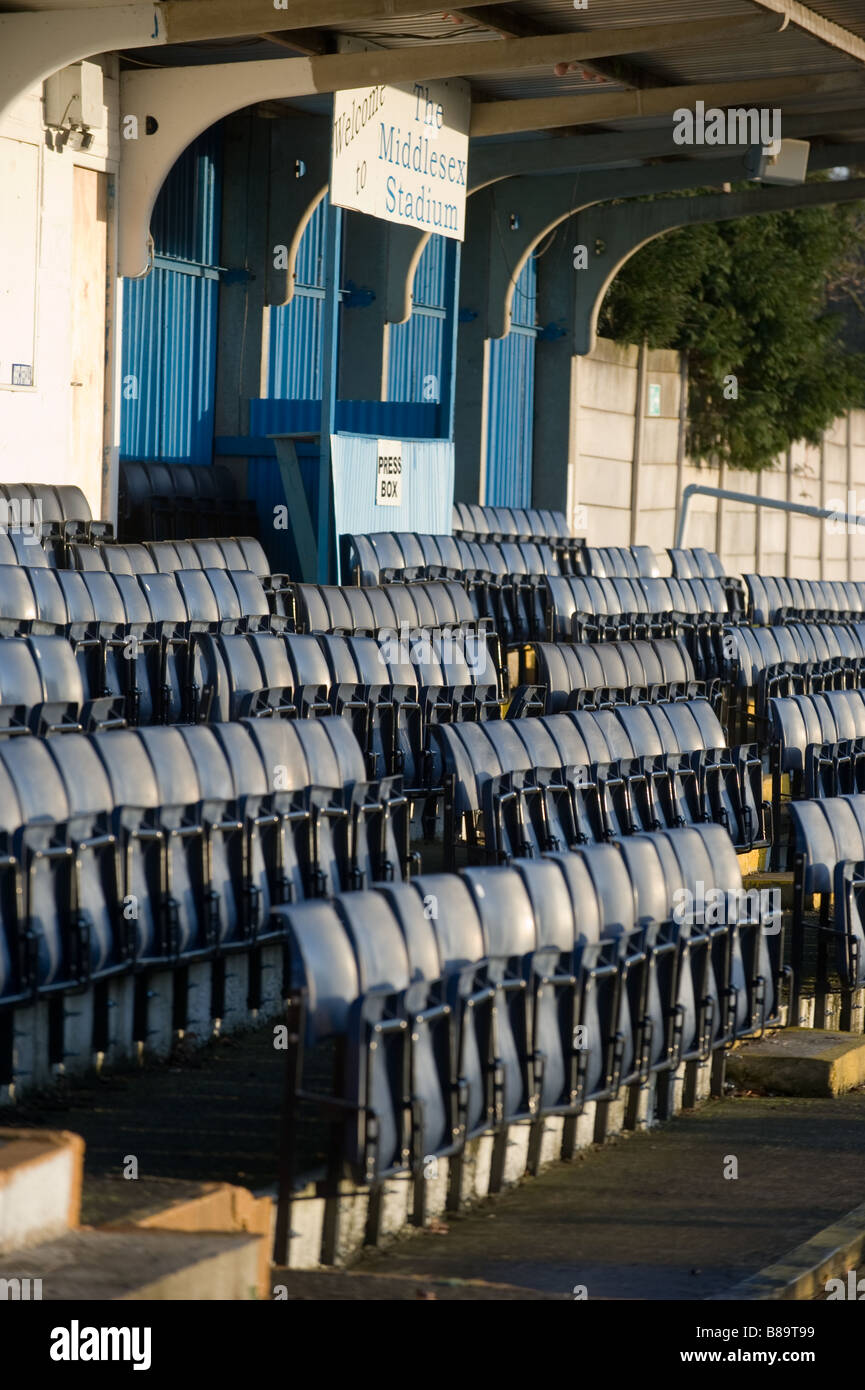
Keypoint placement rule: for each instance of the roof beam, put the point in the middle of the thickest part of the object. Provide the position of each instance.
(546, 113)
(510, 25)
(312, 43)
(428, 60)
(817, 25)
(489, 163)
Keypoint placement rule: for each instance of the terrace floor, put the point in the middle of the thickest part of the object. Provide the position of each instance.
(651, 1215)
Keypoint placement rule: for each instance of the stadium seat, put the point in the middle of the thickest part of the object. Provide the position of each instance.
(509, 783)
(773, 599)
(580, 675)
(464, 1004)
(828, 853)
(793, 658)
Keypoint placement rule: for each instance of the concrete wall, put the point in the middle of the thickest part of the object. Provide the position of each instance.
(630, 468)
(57, 299)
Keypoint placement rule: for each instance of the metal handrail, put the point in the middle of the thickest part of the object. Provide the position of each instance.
(776, 503)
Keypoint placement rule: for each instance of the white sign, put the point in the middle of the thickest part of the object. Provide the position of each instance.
(388, 473)
(401, 154)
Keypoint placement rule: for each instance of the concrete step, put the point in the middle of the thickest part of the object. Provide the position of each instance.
(799, 1062)
(137, 1264)
(202, 1208)
(40, 1185)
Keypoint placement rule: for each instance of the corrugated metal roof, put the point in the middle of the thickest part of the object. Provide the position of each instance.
(791, 52)
(794, 52)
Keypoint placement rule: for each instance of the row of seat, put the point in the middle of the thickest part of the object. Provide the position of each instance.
(476, 523)
(695, 563)
(583, 609)
(130, 850)
(504, 578)
(818, 741)
(772, 599)
(60, 511)
(63, 598)
(391, 692)
(334, 608)
(167, 501)
(369, 558)
(381, 556)
(762, 662)
(131, 633)
(135, 638)
(162, 557)
(827, 844)
(464, 1003)
(516, 787)
(619, 562)
(817, 748)
(43, 689)
(19, 546)
(577, 675)
(583, 604)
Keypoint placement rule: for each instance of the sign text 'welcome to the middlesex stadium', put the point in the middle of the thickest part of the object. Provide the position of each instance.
(401, 153)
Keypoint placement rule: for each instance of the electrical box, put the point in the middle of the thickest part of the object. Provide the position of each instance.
(74, 98)
(788, 166)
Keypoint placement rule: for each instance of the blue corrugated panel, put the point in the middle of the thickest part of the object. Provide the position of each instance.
(264, 488)
(191, 304)
(274, 416)
(295, 348)
(170, 319)
(510, 402)
(415, 354)
(294, 359)
(387, 419)
(381, 419)
(142, 367)
(429, 279)
(523, 306)
(415, 359)
(185, 221)
(309, 266)
(169, 339)
(414, 375)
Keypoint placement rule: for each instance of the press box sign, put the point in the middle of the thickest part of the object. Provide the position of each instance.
(388, 473)
(401, 154)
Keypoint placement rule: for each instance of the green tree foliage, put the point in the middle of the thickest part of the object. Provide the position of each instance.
(749, 299)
